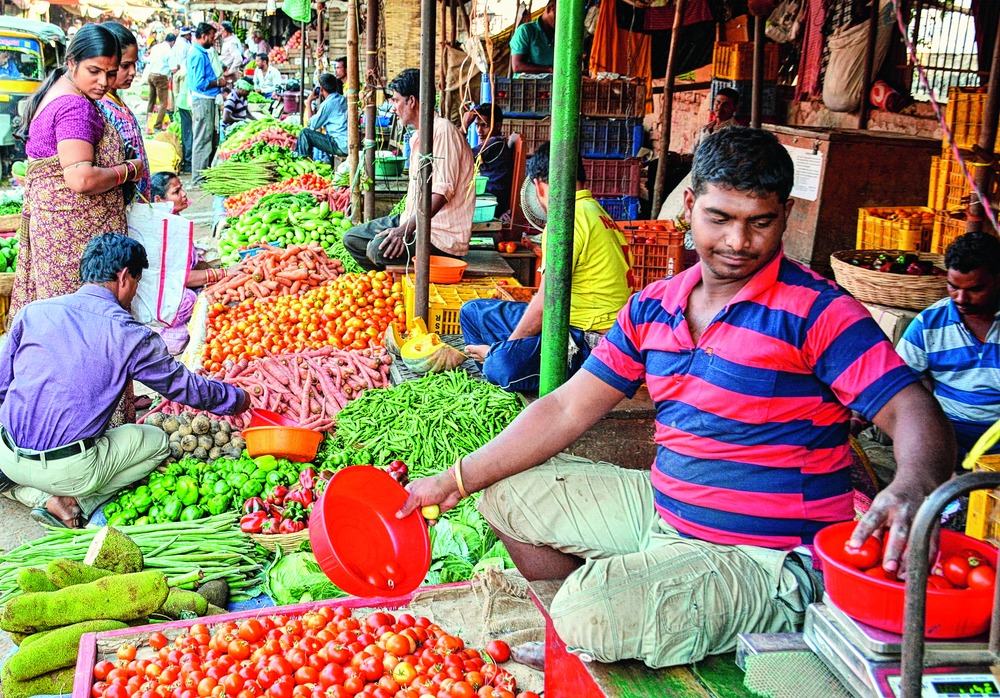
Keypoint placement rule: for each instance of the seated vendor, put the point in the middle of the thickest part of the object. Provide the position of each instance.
(327, 130)
(266, 77)
(754, 363)
(955, 343)
(236, 109)
(532, 48)
(723, 114)
(506, 336)
(496, 158)
(392, 239)
(63, 369)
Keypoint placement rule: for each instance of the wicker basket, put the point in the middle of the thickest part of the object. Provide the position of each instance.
(6, 284)
(10, 222)
(894, 290)
(288, 542)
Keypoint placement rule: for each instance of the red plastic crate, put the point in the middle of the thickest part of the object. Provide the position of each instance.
(657, 250)
(533, 132)
(613, 177)
(613, 97)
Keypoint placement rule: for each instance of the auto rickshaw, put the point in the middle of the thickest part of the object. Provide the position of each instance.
(29, 51)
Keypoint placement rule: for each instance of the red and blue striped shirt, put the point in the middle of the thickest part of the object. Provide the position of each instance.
(752, 421)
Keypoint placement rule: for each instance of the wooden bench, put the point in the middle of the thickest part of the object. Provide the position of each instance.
(481, 263)
(567, 676)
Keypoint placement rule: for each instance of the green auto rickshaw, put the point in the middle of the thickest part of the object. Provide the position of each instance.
(29, 51)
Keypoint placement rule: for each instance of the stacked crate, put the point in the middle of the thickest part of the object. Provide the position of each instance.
(949, 189)
(610, 132)
(732, 66)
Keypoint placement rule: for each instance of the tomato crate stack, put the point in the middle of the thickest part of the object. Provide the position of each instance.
(732, 67)
(657, 250)
(445, 301)
(899, 228)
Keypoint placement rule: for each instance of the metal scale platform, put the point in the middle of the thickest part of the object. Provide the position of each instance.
(866, 660)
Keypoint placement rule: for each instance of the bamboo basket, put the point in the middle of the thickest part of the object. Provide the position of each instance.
(894, 290)
(288, 542)
(10, 222)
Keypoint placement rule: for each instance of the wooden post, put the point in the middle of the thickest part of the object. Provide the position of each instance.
(757, 87)
(666, 113)
(443, 72)
(302, 77)
(866, 77)
(351, 93)
(987, 139)
(423, 175)
(371, 83)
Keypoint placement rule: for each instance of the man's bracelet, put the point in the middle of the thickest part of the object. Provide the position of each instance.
(457, 472)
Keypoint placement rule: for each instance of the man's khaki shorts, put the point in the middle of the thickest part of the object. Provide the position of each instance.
(644, 591)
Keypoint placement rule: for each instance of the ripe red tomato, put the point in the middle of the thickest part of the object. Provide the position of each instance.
(981, 577)
(157, 641)
(498, 650)
(126, 653)
(956, 570)
(865, 557)
(936, 581)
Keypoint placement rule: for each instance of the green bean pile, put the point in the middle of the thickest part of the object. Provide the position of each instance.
(188, 553)
(426, 423)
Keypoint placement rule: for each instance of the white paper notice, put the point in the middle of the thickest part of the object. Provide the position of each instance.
(808, 167)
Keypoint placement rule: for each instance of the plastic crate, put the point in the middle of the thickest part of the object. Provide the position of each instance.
(769, 93)
(621, 97)
(610, 138)
(948, 225)
(621, 208)
(733, 60)
(523, 96)
(533, 132)
(444, 301)
(899, 228)
(964, 114)
(983, 521)
(949, 186)
(613, 177)
(656, 253)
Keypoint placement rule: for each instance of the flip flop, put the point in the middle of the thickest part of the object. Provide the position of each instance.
(47, 518)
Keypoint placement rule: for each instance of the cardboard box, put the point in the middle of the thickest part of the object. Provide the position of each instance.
(893, 321)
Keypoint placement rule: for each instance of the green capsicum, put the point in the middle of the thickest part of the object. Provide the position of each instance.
(251, 488)
(275, 477)
(187, 490)
(266, 463)
(122, 518)
(218, 504)
(111, 509)
(155, 512)
(142, 501)
(142, 521)
(158, 491)
(237, 480)
(221, 487)
(174, 469)
(172, 508)
(192, 513)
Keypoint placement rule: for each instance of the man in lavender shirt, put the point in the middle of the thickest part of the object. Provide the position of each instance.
(63, 369)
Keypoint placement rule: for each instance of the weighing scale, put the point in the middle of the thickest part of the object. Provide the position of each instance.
(866, 660)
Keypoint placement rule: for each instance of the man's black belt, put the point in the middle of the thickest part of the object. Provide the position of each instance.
(73, 449)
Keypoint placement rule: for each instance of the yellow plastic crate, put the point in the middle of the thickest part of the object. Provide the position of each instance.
(733, 60)
(949, 185)
(983, 521)
(899, 228)
(445, 301)
(964, 115)
(948, 225)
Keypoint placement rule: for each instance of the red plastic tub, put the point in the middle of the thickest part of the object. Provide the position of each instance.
(951, 613)
(267, 418)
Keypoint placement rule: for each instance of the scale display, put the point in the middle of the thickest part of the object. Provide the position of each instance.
(952, 685)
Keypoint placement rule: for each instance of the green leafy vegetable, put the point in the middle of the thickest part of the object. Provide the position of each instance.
(297, 578)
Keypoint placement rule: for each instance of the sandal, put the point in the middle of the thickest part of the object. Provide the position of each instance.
(47, 518)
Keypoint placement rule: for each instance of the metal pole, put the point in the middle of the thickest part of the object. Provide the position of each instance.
(757, 90)
(428, 29)
(666, 112)
(563, 158)
(866, 76)
(371, 70)
(987, 137)
(302, 78)
(351, 93)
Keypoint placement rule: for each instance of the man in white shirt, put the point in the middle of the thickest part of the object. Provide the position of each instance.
(182, 100)
(159, 60)
(232, 49)
(266, 77)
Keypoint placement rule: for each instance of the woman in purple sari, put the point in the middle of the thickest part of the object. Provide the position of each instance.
(117, 112)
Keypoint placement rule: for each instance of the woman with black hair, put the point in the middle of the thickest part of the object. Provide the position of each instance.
(76, 168)
(117, 112)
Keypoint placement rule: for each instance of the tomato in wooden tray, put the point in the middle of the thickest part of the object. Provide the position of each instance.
(327, 653)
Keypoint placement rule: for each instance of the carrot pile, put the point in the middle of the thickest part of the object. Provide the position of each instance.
(243, 202)
(310, 387)
(277, 272)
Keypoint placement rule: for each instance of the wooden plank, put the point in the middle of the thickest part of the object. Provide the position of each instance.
(481, 263)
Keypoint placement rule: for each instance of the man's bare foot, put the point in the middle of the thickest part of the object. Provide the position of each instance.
(66, 509)
(478, 351)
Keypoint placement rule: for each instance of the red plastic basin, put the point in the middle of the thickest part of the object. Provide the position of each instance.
(951, 613)
(358, 541)
(267, 418)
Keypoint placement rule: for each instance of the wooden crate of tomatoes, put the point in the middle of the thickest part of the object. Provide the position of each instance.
(657, 251)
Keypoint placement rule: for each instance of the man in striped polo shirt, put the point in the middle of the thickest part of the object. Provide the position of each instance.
(754, 363)
(955, 343)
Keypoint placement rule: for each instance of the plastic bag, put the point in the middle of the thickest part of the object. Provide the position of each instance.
(168, 240)
(842, 83)
(785, 23)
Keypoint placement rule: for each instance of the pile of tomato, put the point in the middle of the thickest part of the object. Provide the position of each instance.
(327, 653)
(966, 569)
(351, 312)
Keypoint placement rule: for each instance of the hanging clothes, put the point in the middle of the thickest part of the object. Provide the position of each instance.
(811, 58)
(617, 50)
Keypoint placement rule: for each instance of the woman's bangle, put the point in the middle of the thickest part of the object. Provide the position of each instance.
(119, 175)
(457, 472)
(131, 171)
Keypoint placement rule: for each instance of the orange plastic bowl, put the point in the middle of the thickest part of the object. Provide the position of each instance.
(358, 541)
(446, 270)
(951, 613)
(267, 418)
(294, 443)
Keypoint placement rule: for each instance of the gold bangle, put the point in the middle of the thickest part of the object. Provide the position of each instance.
(457, 472)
